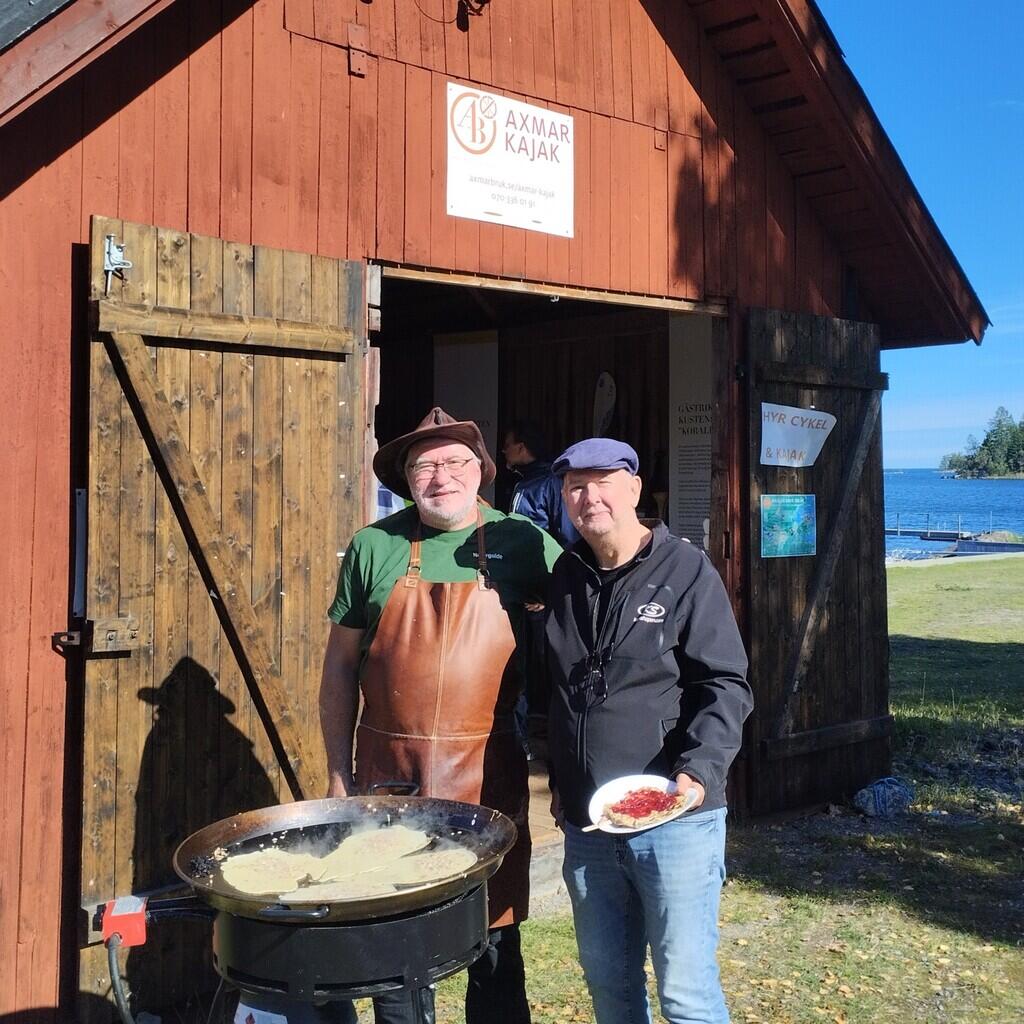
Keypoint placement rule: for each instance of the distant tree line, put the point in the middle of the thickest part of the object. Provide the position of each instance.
(999, 453)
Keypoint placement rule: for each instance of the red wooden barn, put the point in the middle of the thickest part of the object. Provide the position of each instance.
(322, 235)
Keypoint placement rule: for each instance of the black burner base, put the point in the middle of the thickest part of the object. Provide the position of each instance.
(290, 1011)
(312, 963)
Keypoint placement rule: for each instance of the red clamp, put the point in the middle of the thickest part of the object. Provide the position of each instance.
(125, 916)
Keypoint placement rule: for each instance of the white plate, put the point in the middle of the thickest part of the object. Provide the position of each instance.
(616, 789)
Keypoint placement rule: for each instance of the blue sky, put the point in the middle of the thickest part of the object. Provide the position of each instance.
(946, 78)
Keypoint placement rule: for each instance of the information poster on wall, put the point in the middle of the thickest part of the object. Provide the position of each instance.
(466, 383)
(509, 162)
(792, 436)
(789, 525)
(691, 425)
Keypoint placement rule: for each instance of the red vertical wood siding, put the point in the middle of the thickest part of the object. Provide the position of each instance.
(224, 122)
(332, 212)
(391, 153)
(442, 227)
(205, 140)
(170, 164)
(46, 214)
(304, 169)
(271, 134)
(362, 180)
(417, 165)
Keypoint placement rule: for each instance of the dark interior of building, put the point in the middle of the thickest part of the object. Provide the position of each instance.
(551, 355)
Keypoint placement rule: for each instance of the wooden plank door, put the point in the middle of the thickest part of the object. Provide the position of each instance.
(819, 640)
(227, 428)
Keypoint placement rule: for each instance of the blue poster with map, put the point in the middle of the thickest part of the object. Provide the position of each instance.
(789, 525)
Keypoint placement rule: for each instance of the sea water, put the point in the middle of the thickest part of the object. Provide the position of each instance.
(926, 498)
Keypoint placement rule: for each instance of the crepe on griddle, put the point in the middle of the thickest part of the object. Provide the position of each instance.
(431, 865)
(368, 863)
(382, 879)
(371, 883)
(268, 871)
(369, 850)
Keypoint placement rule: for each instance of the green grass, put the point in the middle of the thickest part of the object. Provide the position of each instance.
(957, 680)
(931, 601)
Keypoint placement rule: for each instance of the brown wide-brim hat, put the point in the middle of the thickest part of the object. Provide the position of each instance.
(437, 425)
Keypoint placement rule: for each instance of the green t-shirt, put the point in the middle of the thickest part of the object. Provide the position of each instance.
(519, 559)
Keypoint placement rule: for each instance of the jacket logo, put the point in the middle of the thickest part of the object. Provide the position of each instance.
(651, 613)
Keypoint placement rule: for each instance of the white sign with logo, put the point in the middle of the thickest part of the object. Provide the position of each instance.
(509, 162)
(791, 436)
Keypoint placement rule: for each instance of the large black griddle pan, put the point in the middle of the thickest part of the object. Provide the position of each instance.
(488, 833)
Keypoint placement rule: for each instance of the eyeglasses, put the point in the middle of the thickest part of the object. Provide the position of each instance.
(454, 467)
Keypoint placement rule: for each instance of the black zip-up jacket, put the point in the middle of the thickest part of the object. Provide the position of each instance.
(661, 690)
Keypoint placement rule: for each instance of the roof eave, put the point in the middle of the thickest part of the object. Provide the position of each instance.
(62, 45)
(812, 52)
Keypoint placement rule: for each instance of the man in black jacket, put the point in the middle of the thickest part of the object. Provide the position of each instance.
(648, 676)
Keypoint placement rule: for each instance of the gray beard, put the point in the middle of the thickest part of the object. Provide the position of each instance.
(445, 520)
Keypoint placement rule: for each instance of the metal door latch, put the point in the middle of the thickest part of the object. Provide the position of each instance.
(60, 642)
(114, 263)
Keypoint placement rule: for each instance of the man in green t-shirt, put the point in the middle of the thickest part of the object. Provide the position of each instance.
(429, 604)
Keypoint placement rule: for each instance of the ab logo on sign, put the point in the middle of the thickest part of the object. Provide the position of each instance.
(474, 121)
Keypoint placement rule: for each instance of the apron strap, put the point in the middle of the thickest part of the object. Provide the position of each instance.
(483, 577)
(412, 574)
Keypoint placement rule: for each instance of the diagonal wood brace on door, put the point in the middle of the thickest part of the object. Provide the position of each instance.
(807, 632)
(213, 557)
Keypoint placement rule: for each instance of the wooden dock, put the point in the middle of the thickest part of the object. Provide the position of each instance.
(949, 535)
(928, 533)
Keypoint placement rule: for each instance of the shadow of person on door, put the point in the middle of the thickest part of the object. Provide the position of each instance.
(198, 765)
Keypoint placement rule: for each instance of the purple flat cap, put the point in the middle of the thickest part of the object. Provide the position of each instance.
(597, 453)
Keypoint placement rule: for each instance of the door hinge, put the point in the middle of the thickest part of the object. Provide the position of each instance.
(115, 633)
(109, 635)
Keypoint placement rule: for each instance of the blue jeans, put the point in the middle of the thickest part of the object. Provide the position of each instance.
(659, 887)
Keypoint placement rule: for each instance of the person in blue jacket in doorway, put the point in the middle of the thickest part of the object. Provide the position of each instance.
(538, 493)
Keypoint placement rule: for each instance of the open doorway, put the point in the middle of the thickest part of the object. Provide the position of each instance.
(576, 368)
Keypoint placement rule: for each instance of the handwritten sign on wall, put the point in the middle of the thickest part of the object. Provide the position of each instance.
(791, 436)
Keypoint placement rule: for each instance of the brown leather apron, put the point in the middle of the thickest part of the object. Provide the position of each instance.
(439, 686)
